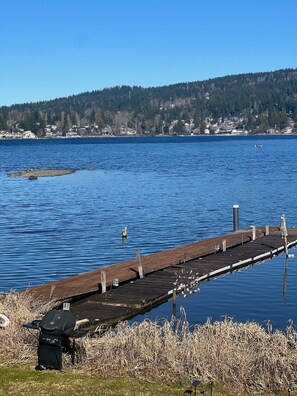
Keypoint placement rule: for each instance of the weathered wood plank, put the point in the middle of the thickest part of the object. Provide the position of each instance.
(143, 293)
(161, 270)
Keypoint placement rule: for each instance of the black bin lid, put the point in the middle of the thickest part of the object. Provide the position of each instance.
(57, 319)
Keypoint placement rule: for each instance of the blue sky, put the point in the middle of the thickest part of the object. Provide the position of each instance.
(55, 48)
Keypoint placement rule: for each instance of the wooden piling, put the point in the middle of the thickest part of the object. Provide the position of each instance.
(253, 232)
(103, 281)
(139, 264)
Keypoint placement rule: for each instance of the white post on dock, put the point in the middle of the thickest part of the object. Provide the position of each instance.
(284, 230)
(267, 231)
(139, 264)
(103, 281)
(253, 232)
(224, 243)
(235, 218)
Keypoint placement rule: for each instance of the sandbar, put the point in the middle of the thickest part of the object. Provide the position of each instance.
(35, 173)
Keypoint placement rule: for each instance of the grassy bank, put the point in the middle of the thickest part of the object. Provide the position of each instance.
(23, 380)
(244, 357)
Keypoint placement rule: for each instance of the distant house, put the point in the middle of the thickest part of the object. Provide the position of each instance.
(28, 135)
(72, 134)
(272, 131)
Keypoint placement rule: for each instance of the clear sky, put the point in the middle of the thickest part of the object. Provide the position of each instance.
(55, 48)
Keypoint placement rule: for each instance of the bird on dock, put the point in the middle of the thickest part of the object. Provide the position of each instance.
(124, 233)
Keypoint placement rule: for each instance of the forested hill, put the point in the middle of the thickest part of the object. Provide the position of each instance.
(258, 103)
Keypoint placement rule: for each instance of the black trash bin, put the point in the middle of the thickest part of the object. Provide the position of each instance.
(55, 329)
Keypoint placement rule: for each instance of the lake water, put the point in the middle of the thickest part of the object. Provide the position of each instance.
(168, 192)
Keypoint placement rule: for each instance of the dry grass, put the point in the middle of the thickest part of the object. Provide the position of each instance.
(243, 356)
(17, 343)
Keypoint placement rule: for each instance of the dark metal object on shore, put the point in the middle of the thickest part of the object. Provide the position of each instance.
(56, 328)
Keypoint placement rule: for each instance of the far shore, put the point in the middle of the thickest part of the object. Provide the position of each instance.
(237, 135)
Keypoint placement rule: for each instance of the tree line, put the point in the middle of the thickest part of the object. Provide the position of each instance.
(258, 100)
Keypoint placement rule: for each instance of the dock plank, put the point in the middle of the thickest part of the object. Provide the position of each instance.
(88, 282)
(162, 270)
(143, 293)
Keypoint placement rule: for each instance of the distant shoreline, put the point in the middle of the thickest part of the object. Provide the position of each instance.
(264, 135)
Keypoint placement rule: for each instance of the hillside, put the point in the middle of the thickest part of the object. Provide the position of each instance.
(254, 103)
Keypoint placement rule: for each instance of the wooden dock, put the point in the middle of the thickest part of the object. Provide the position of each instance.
(129, 294)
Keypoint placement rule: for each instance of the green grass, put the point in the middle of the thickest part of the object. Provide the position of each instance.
(24, 380)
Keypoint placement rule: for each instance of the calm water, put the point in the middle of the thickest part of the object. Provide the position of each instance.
(168, 192)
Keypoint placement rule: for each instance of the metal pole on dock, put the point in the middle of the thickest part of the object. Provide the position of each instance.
(235, 217)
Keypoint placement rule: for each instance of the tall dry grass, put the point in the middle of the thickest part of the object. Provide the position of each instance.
(18, 344)
(245, 356)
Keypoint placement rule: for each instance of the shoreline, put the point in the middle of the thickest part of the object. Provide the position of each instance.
(281, 136)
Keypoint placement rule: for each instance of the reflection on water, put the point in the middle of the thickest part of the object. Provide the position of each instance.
(285, 281)
(167, 192)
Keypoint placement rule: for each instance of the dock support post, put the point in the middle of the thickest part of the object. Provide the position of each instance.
(139, 264)
(253, 232)
(267, 231)
(103, 281)
(235, 217)
(224, 243)
(174, 303)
